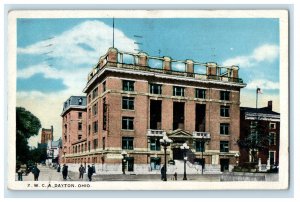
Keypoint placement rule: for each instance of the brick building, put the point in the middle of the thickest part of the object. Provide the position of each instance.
(269, 121)
(46, 135)
(133, 100)
(73, 129)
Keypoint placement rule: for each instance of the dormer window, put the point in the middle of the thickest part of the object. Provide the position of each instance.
(80, 101)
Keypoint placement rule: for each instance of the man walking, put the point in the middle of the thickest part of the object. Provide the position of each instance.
(90, 172)
(65, 171)
(81, 171)
(36, 172)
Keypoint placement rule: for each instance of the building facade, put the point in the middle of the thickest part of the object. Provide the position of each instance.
(53, 151)
(133, 100)
(46, 135)
(269, 123)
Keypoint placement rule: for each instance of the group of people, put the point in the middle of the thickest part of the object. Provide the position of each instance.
(82, 170)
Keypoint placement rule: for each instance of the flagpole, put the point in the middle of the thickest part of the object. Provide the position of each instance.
(113, 32)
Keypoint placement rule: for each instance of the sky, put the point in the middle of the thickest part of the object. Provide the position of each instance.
(54, 56)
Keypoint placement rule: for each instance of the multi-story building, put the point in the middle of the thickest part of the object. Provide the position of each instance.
(269, 123)
(46, 135)
(73, 129)
(53, 150)
(133, 100)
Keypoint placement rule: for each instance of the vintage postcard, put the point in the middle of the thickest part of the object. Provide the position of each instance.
(148, 100)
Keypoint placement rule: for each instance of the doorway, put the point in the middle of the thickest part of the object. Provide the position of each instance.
(224, 165)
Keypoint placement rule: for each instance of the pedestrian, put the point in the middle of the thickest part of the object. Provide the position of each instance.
(20, 173)
(90, 172)
(81, 171)
(36, 172)
(175, 176)
(65, 171)
(162, 172)
(58, 168)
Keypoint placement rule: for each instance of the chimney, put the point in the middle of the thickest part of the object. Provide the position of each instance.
(112, 55)
(270, 103)
(143, 57)
(211, 70)
(189, 66)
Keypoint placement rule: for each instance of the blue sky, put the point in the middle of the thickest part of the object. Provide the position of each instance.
(55, 55)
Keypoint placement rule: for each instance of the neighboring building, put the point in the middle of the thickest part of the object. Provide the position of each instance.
(73, 128)
(53, 150)
(135, 99)
(268, 119)
(47, 134)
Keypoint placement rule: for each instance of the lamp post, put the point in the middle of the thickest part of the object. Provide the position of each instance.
(184, 148)
(124, 154)
(237, 155)
(165, 142)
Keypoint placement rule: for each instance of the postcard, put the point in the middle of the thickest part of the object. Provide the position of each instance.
(148, 100)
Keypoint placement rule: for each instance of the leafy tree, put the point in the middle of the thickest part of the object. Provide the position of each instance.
(27, 125)
(38, 154)
(257, 140)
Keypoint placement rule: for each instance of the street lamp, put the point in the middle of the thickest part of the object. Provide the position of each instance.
(237, 155)
(124, 154)
(165, 142)
(184, 148)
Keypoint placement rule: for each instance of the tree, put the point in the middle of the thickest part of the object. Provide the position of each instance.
(257, 140)
(27, 125)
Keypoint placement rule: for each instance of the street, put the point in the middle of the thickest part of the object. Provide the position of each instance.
(50, 174)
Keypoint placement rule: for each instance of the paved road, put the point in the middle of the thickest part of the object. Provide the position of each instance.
(50, 174)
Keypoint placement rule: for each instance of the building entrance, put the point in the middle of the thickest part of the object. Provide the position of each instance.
(177, 154)
(224, 165)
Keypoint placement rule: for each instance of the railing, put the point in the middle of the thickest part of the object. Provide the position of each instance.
(204, 135)
(152, 132)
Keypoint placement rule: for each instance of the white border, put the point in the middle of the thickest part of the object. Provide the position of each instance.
(284, 155)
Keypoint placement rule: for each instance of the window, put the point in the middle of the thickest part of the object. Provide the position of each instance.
(95, 109)
(272, 157)
(178, 91)
(79, 115)
(224, 95)
(224, 128)
(80, 101)
(95, 92)
(89, 98)
(272, 126)
(154, 144)
(79, 126)
(200, 146)
(103, 143)
(79, 136)
(155, 163)
(127, 123)
(95, 126)
(200, 93)
(224, 111)
(95, 145)
(155, 89)
(89, 129)
(272, 139)
(104, 86)
(89, 146)
(128, 103)
(128, 85)
(224, 146)
(127, 143)
(90, 112)
(104, 114)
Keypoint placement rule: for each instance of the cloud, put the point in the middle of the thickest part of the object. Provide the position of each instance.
(266, 52)
(263, 84)
(79, 46)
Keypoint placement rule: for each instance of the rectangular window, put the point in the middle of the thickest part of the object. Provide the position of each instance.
(272, 157)
(79, 115)
(79, 137)
(224, 128)
(127, 123)
(95, 92)
(224, 111)
(104, 114)
(89, 98)
(272, 125)
(95, 109)
(128, 85)
(127, 143)
(155, 163)
(272, 139)
(95, 143)
(155, 89)
(103, 143)
(200, 146)
(104, 86)
(89, 129)
(224, 95)
(178, 91)
(89, 146)
(128, 103)
(90, 112)
(154, 144)
(79, 126)
(200, 93)
(224, 146)
(95, 126)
